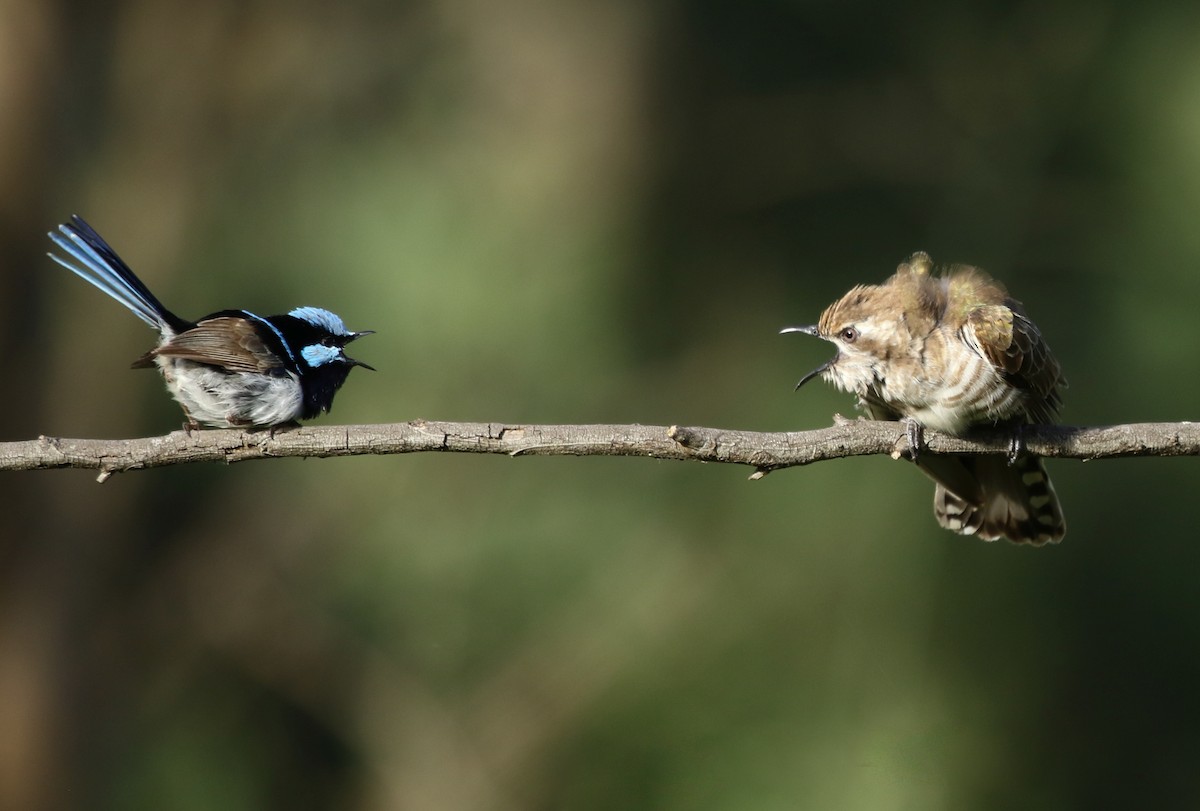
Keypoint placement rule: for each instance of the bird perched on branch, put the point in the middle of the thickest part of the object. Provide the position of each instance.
(231, 368)
(953, 352)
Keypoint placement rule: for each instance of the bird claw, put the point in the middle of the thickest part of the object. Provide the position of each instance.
(1016, 445)
(283, 427)
(915, 432)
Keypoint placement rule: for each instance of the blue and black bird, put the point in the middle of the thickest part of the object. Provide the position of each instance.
(231, 369)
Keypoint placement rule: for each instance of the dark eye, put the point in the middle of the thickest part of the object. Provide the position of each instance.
(849, 335)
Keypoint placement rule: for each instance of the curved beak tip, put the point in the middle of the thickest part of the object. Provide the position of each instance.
(824, 367)
(810, 330)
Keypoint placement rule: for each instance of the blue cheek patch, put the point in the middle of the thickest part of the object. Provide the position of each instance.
(319, 354)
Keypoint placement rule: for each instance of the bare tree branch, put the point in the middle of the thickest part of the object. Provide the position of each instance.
(762, 451)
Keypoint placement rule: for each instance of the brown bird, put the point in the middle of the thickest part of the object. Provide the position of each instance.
(953, 352)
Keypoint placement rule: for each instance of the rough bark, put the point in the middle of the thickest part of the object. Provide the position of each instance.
(762, 451)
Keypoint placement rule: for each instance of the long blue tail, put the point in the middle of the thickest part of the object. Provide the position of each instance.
(100, 266)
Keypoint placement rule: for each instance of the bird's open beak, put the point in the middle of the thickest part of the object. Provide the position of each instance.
(354, 336)
(812, 330)
(822, 368)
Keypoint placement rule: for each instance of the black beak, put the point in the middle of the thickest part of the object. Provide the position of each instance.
(823, 367)
(354, 336)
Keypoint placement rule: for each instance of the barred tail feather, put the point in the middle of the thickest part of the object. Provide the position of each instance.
(1014, 501)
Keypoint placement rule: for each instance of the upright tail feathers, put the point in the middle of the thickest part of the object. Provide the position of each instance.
(1014, 501)
(99, 265)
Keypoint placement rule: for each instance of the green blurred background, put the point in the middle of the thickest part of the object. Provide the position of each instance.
(592, 212)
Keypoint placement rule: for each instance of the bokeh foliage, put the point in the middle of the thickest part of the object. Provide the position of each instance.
(593, 212)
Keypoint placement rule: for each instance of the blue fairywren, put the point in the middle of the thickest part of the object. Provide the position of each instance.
(231, 369)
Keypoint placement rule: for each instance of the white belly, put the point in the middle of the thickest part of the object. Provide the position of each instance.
(223, 399)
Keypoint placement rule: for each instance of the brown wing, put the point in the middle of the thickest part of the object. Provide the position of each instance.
(230, 343)
(1014, 345)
